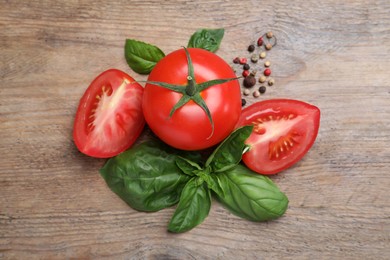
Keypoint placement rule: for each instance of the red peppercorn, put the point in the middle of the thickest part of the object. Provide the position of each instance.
(260, 41)
(243, 61)
(245, 73)
(267, 72)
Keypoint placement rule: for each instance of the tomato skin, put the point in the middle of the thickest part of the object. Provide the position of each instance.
(189, 128)
(284, 131)
(109, 117)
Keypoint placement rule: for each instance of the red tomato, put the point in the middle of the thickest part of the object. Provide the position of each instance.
(109, 117)
(189, 127)
(284, 130)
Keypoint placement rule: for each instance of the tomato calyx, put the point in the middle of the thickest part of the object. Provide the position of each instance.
(192, 90)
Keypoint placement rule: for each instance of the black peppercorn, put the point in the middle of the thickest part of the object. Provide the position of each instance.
(249, 81)
(251, 48)
(262, 89)
(243, 102)
(246, 66)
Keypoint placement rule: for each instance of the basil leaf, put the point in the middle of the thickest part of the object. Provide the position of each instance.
(193, 207)
(229, 153)
(141, 56)
(208, 39)
(146, 176)
(251, 196)
(187, 166)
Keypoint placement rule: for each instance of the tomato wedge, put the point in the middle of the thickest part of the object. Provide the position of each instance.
(109, 117)
(284, 130)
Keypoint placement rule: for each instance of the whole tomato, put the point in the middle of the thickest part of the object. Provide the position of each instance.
(192, 100)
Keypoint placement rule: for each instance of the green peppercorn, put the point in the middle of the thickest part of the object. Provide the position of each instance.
(254, 58)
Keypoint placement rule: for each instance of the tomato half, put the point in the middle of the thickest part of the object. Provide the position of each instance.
(109, 117)
(189, 127)
(284, 130)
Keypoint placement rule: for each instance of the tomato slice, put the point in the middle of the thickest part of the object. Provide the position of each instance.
(109, 117)
(284, 130)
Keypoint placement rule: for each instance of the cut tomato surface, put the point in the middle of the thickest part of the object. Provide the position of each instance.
(109, 117)
(284, 130)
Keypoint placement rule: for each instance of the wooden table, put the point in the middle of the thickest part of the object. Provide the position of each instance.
(334, 54)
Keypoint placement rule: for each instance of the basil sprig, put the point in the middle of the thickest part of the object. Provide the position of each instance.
(142, 57)
(153, 176)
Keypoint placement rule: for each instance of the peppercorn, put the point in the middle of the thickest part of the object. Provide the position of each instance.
(267, 63)
(260, 41)
(246, 92)
(243, 61)
(243, 102)
(262, 89)
(270, 35)
(254, 58)
(253, 73)
(251, 48)
(246, 66)
(262, 55)
(268, 46)
(271, 82)
(262, 79)
(236, 60)
(245, 73)
(267, 72)
(249, 81)
(256, 94)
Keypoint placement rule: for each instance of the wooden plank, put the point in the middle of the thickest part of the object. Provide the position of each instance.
(54, 204)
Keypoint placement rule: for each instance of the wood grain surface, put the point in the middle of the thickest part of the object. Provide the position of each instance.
(334, 54)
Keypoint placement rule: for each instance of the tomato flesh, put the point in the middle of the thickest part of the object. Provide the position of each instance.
(284, 130)
(189, 127)
(109, 117)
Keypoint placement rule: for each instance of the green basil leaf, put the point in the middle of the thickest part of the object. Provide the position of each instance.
(229, 153)
(208, 39)
(193, 207)
(187, 166)
(146, 176)
(141, 56)
(251, 196)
